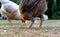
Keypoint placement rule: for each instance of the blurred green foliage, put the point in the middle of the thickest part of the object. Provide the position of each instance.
(18, 2)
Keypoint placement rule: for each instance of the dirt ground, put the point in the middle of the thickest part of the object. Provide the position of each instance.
(51, 28)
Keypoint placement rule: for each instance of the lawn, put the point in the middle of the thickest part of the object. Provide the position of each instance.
(51, 28)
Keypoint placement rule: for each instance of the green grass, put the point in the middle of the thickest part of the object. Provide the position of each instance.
(15, 23)
(5, 22)
(17, 29)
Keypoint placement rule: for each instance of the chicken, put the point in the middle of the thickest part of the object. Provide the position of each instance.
(31, 9)
(10, 10)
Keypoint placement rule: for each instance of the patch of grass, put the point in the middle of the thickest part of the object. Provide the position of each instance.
(14, 22)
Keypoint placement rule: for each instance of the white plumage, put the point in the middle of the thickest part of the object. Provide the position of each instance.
(45, 17)
(9, 9)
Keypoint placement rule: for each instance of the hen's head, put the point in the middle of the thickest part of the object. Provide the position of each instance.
(23, 20)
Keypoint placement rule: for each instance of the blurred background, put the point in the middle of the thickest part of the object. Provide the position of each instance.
(53, 11)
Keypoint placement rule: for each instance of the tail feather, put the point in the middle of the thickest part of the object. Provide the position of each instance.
(45, 17)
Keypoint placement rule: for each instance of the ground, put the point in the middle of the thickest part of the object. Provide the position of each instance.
(51, 28)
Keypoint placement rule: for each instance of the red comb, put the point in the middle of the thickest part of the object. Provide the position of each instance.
(23, 20)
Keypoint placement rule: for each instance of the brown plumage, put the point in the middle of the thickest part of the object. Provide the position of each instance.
(33, 8)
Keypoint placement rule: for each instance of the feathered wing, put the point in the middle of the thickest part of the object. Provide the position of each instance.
(29, 7)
